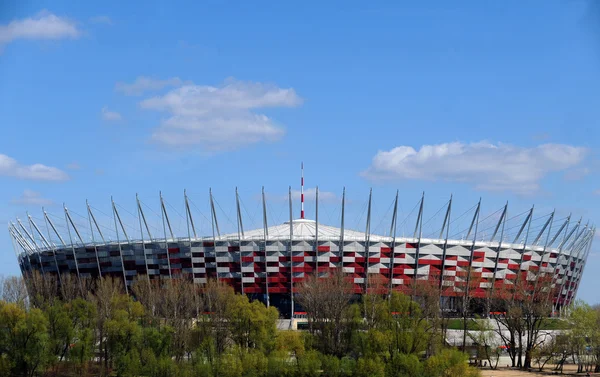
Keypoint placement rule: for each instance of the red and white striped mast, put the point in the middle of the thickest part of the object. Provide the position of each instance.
(302, 190)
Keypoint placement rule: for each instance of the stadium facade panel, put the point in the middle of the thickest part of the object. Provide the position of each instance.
(269, 263)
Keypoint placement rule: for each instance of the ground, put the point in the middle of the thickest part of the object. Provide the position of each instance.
(568, 370)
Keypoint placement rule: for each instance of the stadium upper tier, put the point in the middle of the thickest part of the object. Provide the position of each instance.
(269, 261)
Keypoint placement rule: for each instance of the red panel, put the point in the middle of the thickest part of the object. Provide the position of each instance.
(526, 257)
(247, 259)
(411, 246)
(373, 260)
(431, 262)
(479, 254)
(298, 259)
(323, 249)
(386, 249)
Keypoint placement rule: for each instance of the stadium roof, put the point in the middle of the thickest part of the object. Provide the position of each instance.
(304, 229)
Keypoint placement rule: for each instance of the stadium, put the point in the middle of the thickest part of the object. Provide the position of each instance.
(270, 262)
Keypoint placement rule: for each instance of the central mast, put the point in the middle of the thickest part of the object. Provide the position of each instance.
(302, 190)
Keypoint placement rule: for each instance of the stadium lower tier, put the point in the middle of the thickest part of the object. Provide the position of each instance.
(258, 268)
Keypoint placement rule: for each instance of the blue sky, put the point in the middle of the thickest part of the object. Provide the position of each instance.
(497, 100)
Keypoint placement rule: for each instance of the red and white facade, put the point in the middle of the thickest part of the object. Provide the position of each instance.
(270, 262)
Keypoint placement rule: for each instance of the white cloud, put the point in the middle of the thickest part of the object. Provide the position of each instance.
(597, 192)
(485, 166)
(111, 116)
(44, 25)
(219, 118)
(9, 167)
(30, 197)
(101, 20)
(146, 84)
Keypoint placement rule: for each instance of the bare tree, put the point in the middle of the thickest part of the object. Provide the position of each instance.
(326, 301)
(14, 290)
(43, 288)
(69, 286)
(106, 290)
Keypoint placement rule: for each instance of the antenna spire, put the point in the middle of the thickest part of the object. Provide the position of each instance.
(302, 190)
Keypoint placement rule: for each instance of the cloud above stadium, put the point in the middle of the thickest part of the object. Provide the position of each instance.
(485, 166)
(9, 167)
(214, 118)
(110, 116)
(30, 197)
(144, 84)
(42, 26)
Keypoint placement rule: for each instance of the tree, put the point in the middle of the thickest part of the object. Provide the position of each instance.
(326, 301)
(23, 339)
(14, 290)
(584, 335)
(483, 336)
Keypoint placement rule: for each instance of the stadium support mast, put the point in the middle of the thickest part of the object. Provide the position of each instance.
(240, 227)
(94, 240)
(419, 228)
(214, 215)
(302, 190)
(143, 218)
(291, 245)
(164, 215)
(213, 219)
(115, 215)
(265, 235)
(91, 214)
(584, 260)
(140, 216)
(79, 235)
(240, 230)
(502, 221)
(189, 219)
(44, 240)
(537, 238)
(239, 215)
(393, 248)
(18, 237)
(367, 240)
(16, 245)
(549, 222)
(572, 248)
(317, 230)
(30, 236)
(46, 221)
(581, 247)
(31, 246)
(558, 263)
(342, 224)
(528, 222)
(445, 224)
(73, 250)
(474, 223)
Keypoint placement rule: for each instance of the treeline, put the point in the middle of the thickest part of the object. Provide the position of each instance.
(183, 329)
